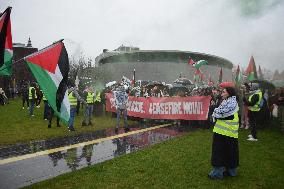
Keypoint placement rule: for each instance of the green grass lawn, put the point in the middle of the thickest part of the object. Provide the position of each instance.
(16, 126)
(184, 162)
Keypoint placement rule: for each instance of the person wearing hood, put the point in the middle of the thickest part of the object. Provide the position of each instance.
(225, 149)
(73, 96)
(253, 102)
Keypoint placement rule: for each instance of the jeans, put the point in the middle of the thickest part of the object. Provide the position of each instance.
(72, 117)
(88, 114)
(32, 105)
(118, 114)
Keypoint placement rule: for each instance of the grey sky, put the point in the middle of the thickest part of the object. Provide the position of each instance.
(232, 29)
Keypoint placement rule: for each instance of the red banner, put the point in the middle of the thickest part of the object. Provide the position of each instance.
(183, 108)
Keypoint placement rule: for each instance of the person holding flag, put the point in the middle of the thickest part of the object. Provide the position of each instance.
(50, 67)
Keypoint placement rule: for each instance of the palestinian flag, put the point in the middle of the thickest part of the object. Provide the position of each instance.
(6, 48)
(210, 81)
(260, 73)
(200, 63)
(50, 67)
(190, 61)
(251, 70)
(197, 76)
(220, 75)
(239, 76)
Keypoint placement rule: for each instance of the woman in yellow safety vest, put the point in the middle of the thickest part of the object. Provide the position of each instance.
(225, 150)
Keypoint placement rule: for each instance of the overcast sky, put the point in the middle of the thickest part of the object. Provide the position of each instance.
(232, 29)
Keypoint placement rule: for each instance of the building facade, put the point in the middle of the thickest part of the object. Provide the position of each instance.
(160, 65)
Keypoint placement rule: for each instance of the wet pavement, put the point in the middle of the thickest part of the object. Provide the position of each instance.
(72, 153)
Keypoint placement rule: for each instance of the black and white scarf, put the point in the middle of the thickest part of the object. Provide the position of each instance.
(227, 108)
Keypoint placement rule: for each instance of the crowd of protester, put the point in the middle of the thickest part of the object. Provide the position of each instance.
(32, 96)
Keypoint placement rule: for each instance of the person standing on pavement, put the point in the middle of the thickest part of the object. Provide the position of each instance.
(253, 103)
(73, 96)
(90, 98)
(225, 149)
(32, 99)
(121, 100)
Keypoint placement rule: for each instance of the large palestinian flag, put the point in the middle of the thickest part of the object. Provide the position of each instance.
(6, 48)
(50, 67)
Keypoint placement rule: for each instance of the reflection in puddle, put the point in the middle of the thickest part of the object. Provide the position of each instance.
(28, 171)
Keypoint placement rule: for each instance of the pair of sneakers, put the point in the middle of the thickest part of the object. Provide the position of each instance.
(251, 138)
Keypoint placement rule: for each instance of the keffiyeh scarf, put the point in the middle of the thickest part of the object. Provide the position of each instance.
(227, 108)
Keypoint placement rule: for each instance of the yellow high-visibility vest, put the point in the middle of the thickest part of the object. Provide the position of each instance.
(72, 99)
(227, 127)
(30, 93)
(256, 107)
(90, 97)
(98, 97)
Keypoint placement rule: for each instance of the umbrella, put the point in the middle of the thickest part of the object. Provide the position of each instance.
(151, 84)
(111, 83)
(264, 84)
(183, 81)
(176, 88)
(226, 84)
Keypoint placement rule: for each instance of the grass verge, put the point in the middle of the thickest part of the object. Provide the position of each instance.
(16, 126)
(184, 162)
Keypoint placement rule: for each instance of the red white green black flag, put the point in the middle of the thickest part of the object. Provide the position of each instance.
(251, 70)
(50, 67)
(6, 48)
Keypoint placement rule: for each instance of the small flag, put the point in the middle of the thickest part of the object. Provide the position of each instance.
(197, 76)
(6, 48)
(50, 67)
(260, 73)
(200, 63)
(210, 81)
(251, 70)
(220, 75)
(190, 61)
(238, 76)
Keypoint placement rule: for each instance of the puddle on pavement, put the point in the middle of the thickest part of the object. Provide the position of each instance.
(28, 171)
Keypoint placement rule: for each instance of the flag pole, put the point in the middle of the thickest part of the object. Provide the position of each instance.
(5, 10)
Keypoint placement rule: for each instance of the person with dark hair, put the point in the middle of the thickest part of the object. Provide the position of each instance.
(225, 149)
(253, 103)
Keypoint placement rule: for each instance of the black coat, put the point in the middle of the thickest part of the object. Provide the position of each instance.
(225, 150)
